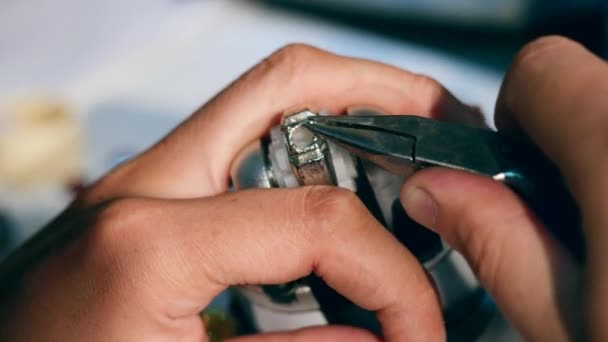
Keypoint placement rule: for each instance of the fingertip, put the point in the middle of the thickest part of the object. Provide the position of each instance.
(429, 193)
(419, 205)
(442, 183)
(433, 195)
(499, 236)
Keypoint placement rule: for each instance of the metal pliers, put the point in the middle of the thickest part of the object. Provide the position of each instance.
(402, 143)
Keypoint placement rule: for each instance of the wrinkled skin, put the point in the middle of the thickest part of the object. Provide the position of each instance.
(165, 237)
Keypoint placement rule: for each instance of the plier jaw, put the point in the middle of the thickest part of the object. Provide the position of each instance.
(393, 141)
(369, 138)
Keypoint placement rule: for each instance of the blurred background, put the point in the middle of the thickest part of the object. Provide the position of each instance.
(86, 84)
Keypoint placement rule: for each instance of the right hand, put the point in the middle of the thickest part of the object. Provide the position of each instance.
(556, 92)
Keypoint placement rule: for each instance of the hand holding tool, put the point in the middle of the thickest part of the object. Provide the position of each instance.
(405, 143)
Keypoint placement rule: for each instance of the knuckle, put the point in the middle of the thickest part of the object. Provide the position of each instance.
(540, 48)
(329, 201)
(293, 51)
(110, 250)
(429, 85)
(287, 62)
(326, 207)
(475, 244)
(120, 221)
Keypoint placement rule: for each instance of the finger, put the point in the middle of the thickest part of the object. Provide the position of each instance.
(271, 237)
(317, 334)
(194, 160)
(556, 93)
(523, 268)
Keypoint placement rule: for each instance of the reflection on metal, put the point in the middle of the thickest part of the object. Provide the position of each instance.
(308, 154)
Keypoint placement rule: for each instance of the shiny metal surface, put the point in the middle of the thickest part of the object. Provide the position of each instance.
(250, 168)
(303, 300)
(422, 141)
(308, 153)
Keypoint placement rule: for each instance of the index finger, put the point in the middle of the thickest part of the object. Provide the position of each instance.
(557, 93)
(194, 160)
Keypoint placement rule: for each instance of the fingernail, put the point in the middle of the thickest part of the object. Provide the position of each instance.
(420, 206)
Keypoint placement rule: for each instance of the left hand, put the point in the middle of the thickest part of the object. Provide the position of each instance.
(170, 237)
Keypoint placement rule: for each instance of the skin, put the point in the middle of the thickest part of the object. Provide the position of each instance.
(554, 93)
(165, 237)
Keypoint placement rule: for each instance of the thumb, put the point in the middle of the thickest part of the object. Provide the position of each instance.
(529, 275)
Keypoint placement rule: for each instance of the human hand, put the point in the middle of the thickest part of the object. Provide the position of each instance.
(555, 93)
(166, 237)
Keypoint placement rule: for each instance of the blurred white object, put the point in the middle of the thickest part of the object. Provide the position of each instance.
(42, 144)
(45, 44)
(180, 53)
